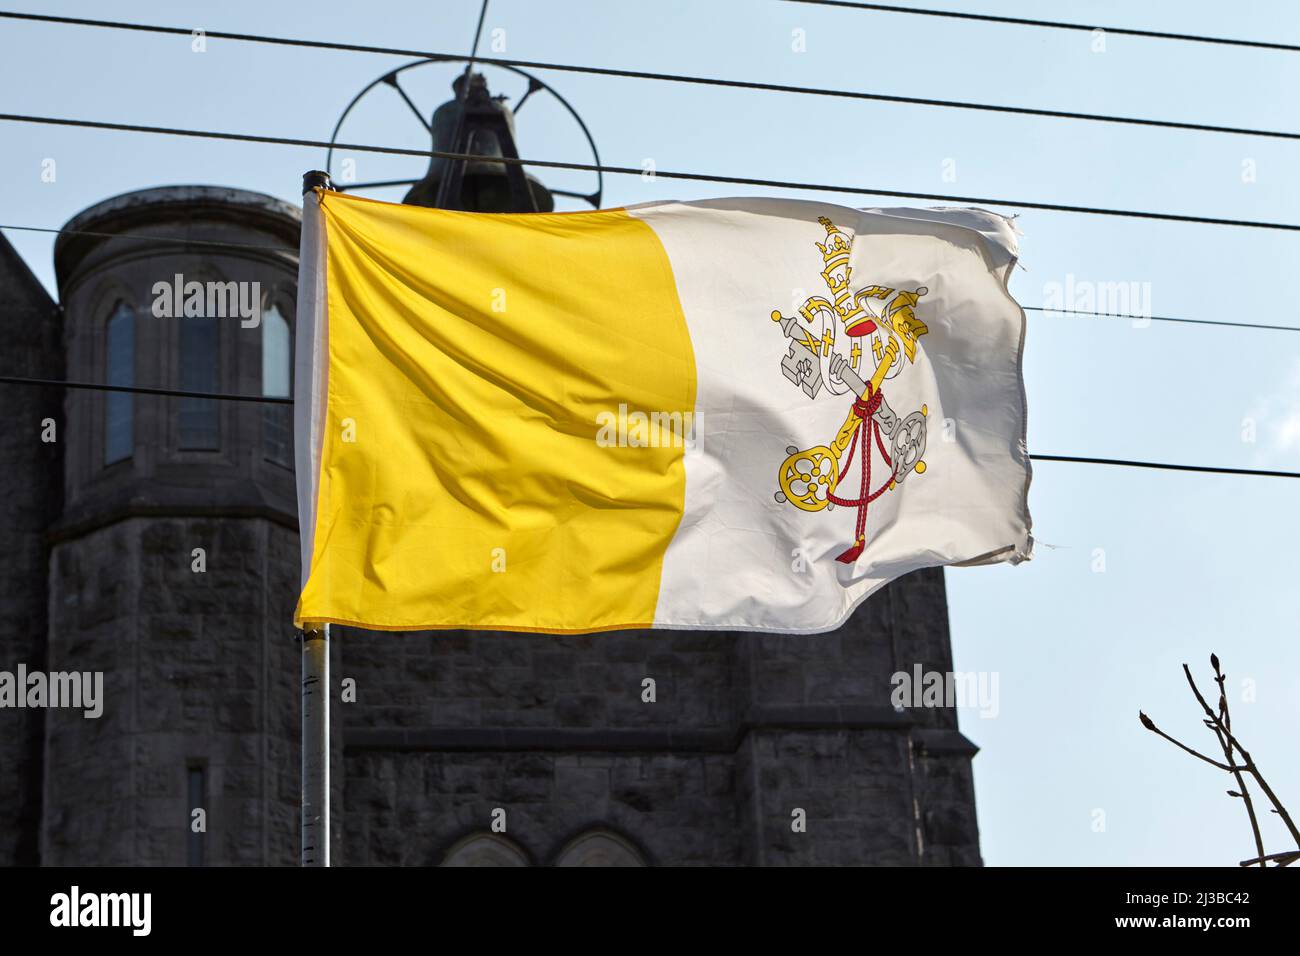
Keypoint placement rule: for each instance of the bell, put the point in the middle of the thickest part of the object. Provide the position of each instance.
(478, 124)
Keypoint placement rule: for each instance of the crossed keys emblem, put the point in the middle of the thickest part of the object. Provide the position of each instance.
(825, 351)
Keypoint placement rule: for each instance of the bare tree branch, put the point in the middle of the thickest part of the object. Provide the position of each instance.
(1226, 717)
(1248, 763)
(1282, 859)
(1220, 724)
(1149, 724)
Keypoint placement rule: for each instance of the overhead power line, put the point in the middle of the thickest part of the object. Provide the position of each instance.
(1163, 318)
(177, 240)
(1166, 466)
(638, 171)
(664, 77)
(1053, 24)
(132, 237)
(219, 396)
(144, 390)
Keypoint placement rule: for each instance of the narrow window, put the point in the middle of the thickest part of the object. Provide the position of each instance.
(119, 407)
(198, 373)
(196, 823)
(277, 425)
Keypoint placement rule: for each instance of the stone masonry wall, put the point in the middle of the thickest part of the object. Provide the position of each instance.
(199, 669)
(449, 726)
(30, 495)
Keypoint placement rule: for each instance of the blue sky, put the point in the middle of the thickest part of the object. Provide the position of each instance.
(1192, 563)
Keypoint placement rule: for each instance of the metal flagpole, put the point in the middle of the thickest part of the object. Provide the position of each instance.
(316, 745)
(315, 702)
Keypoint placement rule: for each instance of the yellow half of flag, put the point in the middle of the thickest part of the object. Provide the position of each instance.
(470, 359)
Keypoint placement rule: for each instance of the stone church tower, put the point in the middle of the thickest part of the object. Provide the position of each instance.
(156, 541)
(173, 560)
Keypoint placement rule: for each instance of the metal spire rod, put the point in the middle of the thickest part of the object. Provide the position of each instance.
(451, 182)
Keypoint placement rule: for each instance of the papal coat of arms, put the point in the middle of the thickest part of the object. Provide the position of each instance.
(852, 343)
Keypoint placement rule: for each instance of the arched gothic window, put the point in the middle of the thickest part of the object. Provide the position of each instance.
(198, 425)
(485, 849)
(119, 407)
(600, 848)
(277, 355)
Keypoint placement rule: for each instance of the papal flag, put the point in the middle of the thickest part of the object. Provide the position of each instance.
(732, 414)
